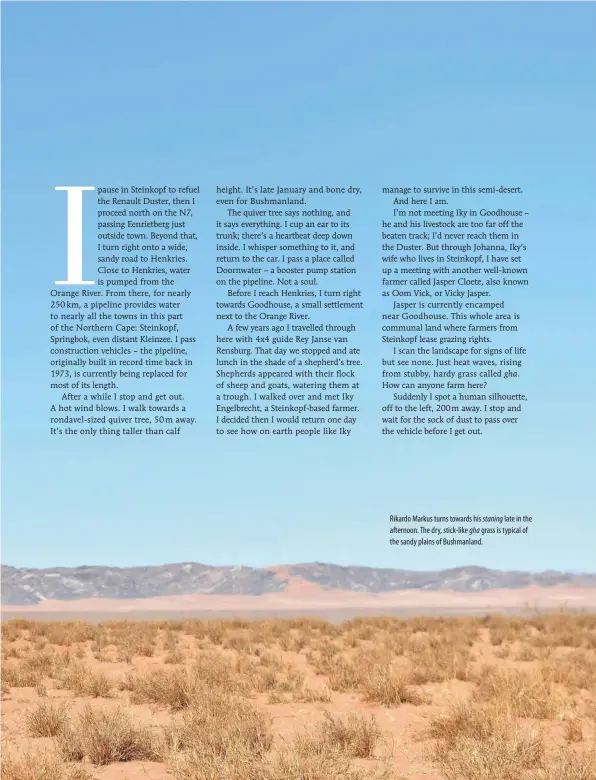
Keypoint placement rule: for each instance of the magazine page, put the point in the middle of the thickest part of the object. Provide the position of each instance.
(297, 308)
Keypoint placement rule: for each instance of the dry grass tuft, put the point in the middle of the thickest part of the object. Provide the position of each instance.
(524, 694)
(21, 675)
(573, 731)
(39, 765)
(483, 744)
(288, 763)
(217, 724)
(47, 719)
(390, 687)
(568, 765)
(173, 689)
(106, 737)
(463, 719)
(355, 735)
(83, 681)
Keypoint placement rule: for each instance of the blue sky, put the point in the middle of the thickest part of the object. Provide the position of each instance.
(370, 94)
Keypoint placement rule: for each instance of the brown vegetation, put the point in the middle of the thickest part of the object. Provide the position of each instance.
(441, 698)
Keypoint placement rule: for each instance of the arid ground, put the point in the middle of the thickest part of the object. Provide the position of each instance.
(434, 698)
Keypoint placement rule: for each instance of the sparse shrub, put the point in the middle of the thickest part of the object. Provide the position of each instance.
(495, 758)
(110, 736)
(439, 661)
(11, 651)
(288, 763)
(21, 675)
(573, 731)
(12, 629)
(568, 765)
(526, 653)
(577, 670)
(69, 743)
(174, 689)
(463, 719)
(83, 681)
(174, 656)
(343, 675)
(357, 735)
(217, 724)
(475, 743)
(504, 651)
(296, 765)
(390, 687)
(38, 765)
(99, 651)
(524, 694)
(47, 719)
(315, 695)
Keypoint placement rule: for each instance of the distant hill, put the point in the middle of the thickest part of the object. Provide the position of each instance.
(464, 579)
(31, 586)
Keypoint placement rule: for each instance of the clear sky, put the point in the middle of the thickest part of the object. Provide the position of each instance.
(371, 94)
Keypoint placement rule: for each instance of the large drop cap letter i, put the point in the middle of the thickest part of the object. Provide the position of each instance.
(75, 235)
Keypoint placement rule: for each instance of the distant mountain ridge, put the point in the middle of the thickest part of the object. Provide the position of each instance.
(21, 587)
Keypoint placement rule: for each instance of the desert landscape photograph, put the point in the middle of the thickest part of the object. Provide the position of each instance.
(464, 674)
(297, 387)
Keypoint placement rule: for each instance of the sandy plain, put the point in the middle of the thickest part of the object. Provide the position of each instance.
(125, 695)
(306, 598)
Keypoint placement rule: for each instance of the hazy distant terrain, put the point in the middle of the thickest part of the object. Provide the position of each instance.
(28, 587)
